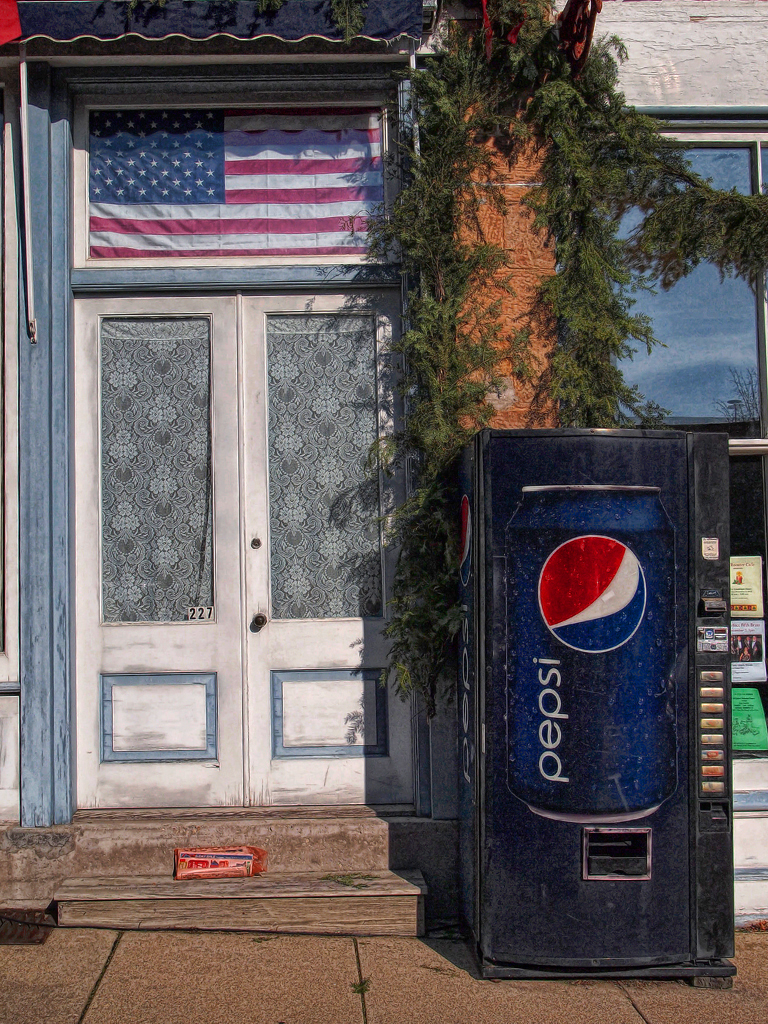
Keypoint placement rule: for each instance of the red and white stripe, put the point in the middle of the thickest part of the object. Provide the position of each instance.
(291, 190)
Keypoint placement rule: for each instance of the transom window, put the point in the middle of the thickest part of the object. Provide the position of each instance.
(214, 182)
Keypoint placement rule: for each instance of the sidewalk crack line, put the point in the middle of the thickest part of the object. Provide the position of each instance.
(629, 997)
(362, 983)
(100, 978)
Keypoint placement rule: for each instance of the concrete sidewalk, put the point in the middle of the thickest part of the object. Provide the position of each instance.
(82, 976)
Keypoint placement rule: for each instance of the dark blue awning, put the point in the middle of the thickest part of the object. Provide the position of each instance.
(67, 20)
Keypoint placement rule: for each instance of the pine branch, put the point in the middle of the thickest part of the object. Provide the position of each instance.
(601, 160)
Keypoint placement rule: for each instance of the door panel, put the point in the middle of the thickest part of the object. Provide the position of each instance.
(318, 390)
(159, 699)
(220, 474)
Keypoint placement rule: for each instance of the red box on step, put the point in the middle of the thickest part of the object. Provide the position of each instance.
(219, 862)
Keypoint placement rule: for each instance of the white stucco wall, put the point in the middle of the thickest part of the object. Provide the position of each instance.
(693, 53)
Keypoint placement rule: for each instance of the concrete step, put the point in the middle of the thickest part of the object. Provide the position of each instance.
(353, 903)
(101, 844)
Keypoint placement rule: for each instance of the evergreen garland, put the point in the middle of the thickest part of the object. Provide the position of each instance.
(601, 158)
(349, 16)
(454, 350)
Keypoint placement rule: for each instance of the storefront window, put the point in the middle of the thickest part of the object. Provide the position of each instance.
(706, 376)
(710, 376)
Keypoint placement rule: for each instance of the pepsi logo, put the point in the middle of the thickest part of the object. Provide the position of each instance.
(592, 594)
(465, 545)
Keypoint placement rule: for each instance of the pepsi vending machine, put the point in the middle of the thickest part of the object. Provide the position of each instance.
(594, 713)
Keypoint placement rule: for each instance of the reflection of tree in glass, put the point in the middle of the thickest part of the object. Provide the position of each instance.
(652, 416)
(355, 721)
(745, 407)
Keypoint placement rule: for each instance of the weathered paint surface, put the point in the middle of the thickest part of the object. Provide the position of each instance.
(9, 758)
(691, 54)
(33, 862)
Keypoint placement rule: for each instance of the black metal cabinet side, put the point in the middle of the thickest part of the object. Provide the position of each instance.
(712, 897)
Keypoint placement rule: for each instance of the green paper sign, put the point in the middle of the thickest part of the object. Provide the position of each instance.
(749, 727)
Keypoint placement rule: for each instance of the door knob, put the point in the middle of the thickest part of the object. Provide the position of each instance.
(258, 622)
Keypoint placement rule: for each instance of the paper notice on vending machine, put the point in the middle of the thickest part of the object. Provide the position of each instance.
(749, 726)
(748, 651)
(747, 586)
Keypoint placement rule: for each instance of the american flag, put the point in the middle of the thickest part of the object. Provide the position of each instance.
(180, 182)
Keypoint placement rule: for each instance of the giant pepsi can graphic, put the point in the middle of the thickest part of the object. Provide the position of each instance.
(591, 729)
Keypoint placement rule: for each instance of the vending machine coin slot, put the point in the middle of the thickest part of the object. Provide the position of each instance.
(616, 854)
(714, 817)
(712, 604)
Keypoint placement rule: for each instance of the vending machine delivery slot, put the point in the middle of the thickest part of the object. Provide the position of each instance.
(611, 853)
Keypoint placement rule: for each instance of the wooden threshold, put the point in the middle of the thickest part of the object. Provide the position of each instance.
(304, 812)
(358, 903)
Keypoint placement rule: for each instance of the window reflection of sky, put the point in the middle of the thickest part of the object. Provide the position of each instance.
(708, 326)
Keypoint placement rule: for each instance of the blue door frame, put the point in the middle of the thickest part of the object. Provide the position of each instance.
(46, 517)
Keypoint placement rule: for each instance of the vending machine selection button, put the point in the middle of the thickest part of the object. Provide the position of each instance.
(711, 691)
(712, 755)
(711, 723)
(713, 787)
(712, 769)
(714, 739)
(714, 709)
(710, 676)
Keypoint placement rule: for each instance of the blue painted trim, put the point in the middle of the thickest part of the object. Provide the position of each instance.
(207, 679)
(378, 749)
(752, 800)
(750, 875)
(713, 113)
(45, 401)
(62, 455)
(44, 498)
(265, 278)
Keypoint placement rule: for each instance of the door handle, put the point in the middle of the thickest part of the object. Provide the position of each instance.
(258, 622)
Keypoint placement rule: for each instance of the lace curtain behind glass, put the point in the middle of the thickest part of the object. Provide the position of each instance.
(155, 468)
(325, 550)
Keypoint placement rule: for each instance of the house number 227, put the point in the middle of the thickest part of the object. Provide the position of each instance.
(199, 612)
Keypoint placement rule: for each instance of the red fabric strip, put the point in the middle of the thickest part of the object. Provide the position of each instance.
(10, 27)
(111, 252)
(259, 225)
(270, 166)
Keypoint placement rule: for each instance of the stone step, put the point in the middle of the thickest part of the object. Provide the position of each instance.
(353, 903)
(101, 844)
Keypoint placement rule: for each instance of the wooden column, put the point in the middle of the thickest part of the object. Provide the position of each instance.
(44, 515)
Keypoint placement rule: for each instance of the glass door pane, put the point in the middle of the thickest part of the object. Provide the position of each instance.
(156, 473)
(324, 506)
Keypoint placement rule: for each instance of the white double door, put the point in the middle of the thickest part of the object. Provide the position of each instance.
(230, 584)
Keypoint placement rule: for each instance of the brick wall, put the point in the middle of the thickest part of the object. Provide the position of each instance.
(522, 403)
